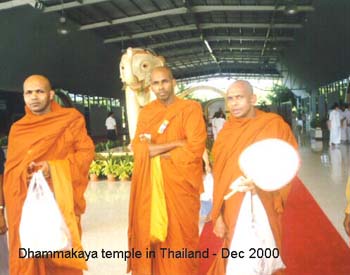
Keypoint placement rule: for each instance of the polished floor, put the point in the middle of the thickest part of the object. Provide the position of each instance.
(324, 172)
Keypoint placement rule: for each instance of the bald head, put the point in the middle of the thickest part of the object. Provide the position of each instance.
(164, 69)
(241, 84)
(241, 99)
(37, 80)
(38, 94)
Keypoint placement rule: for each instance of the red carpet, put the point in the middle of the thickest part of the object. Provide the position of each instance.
(311, 245)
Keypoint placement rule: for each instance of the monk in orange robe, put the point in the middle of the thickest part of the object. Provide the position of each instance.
(53, 139)
(173, 129)
(246, 125)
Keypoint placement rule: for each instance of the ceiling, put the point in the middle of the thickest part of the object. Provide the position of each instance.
(197, 37)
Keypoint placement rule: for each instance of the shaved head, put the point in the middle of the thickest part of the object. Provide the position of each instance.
(241, 99)
(44, 82)
(38, 94)
(241, 84)
(163, 69)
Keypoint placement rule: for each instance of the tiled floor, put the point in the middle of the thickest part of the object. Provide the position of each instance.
(105, 225)
(105, 222)
(325, 175)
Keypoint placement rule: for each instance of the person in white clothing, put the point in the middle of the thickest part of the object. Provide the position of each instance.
(111, 126)
(217, 123)
(343, 132)
(335, 125)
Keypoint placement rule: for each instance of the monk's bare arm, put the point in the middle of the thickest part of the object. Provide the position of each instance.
(162, 149)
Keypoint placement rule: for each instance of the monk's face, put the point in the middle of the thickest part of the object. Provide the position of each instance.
(241, 100)
(38, 94)
(162, 85)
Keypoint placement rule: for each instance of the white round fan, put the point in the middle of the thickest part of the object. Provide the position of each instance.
(270, 163)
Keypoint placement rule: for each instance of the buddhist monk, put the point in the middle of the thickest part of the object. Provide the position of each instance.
(55, 140)
(347, 210)
(171, 134)
(245, 126)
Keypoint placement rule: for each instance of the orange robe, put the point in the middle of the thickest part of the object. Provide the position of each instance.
(236, 135)
(59, 136)
(182, 175)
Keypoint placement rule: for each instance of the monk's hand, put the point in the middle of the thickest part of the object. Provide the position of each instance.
(220, 227)
(145, 137)
(347, 224)
(245, 185)
(35, 166)
(3, 227)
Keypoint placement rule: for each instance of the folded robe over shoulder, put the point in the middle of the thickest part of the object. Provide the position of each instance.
(59, 135)
(183, 182)
(236, 135)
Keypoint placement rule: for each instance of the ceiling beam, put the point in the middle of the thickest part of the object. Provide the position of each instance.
(190, 27)
(70, 5)
(228, 65)
(237, 67)
(183, 10)
(225, 74)
(133, 18)
(193, 40)
(248, 8)
(249, 38)
(250, 25)
(222, 60)
(196, 50)
(189, 4)
(175, 42)
(246, 59)
(204, 76)
(16, 3)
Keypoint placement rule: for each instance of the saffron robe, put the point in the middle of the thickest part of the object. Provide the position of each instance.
(59, 137)
(347, 195)
(182, 177)
(236, 135)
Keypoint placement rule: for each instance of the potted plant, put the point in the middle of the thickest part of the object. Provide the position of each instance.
(110, 144)
(124, 169)
(95, 170)
(100, 147)
(110, 169)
